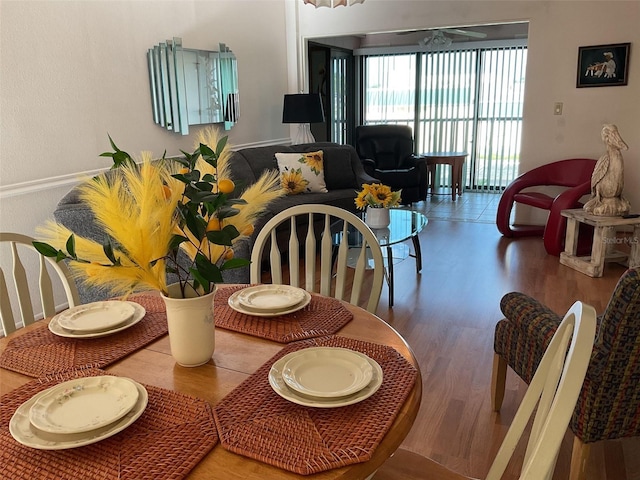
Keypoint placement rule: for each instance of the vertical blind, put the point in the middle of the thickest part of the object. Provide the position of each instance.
(463, 100)
(339, 105)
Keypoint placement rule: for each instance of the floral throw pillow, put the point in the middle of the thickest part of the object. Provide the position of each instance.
(302, 172)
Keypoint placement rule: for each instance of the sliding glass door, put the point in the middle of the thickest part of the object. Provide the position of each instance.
(464, 100)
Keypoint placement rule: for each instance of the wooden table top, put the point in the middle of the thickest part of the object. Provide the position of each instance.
(236, 357)
(444, 155)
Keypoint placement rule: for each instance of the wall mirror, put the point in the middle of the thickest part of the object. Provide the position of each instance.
(192, 87)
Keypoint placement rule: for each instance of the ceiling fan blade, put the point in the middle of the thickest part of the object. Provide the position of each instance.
(467, 33)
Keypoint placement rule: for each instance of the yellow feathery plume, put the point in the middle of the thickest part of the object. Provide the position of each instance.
(258, 195)
(134, 212)
(137, 210)
(210, 137)
(120, 280)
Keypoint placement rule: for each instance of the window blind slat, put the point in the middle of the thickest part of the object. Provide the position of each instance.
(470, 100)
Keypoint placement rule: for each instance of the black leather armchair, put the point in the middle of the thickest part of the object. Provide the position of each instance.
(386, 152)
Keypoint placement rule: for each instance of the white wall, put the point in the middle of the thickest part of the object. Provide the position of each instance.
(556, 30)
(73, 71)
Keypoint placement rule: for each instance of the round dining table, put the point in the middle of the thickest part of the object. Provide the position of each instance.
(236, 357)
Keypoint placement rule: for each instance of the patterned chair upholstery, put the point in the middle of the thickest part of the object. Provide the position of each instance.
(609, 404)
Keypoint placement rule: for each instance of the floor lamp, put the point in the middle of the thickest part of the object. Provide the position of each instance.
(303, 108)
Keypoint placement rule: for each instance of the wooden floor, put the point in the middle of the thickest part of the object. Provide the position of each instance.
(448, 314)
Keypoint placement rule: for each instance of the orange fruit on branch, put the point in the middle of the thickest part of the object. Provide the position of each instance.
(226, 185)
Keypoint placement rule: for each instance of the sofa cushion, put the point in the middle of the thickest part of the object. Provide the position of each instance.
(302, 172)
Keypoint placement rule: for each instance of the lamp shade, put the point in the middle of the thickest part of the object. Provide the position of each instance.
(302, 108)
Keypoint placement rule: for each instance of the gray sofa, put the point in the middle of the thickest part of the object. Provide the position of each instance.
(344, 175)
(343, 171)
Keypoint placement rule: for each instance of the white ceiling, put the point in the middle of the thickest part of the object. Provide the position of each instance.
(506, 31)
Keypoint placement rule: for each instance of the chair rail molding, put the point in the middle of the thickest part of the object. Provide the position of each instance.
(71, 179)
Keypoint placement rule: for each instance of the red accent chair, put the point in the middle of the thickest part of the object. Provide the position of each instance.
(574, 173)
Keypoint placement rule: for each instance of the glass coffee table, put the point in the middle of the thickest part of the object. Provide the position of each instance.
(404, 225)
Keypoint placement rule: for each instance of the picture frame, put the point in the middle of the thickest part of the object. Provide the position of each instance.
(603, 65)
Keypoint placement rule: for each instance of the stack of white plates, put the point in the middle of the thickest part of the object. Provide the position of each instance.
(269, 300)
(325, 377)
(96, 319)
(78, 412)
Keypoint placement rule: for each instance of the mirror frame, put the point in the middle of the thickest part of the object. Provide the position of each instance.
(192, 87)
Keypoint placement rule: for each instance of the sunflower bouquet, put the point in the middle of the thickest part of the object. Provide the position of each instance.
(163, 216)
(377, 195)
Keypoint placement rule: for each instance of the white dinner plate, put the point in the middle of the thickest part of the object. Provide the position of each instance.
(238, 307)
(280, 387)
(327, 372)
(83, 404)
(96, 316)
(138, 315)
(270, 298)
(25, 433)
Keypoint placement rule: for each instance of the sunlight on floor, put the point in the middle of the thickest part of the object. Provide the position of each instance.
(470, 207)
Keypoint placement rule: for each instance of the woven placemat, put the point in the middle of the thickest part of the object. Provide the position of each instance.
(173, 434)
(323, 316)
(40, 352)
(256, 422)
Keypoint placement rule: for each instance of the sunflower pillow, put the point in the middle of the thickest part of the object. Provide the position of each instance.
(302, 172)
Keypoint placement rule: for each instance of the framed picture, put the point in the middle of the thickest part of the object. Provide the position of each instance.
(603, 65)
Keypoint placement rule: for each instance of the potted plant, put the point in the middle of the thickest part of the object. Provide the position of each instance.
(169, 216)
(377, 198)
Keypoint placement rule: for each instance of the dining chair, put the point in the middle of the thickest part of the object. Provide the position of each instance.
(552, 394)
(333, 243)
(24, 253)
(609, 404)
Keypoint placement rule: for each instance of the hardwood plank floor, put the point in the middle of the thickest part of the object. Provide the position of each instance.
(448, 314)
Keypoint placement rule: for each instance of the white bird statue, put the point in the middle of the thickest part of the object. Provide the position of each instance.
(607, 180)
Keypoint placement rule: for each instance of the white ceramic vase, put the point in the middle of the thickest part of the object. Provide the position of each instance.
(377, 217)
(191, 326)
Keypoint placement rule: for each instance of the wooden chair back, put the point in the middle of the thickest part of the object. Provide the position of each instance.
(333, 258)
(21, 246)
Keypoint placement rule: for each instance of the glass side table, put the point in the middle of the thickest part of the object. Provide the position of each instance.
(404, 225)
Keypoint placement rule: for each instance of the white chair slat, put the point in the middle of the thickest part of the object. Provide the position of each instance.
(6, 314)
(22, 287)
(276, 260)
(326, 257)
(46, 290)
(310, 257)
(294, 260)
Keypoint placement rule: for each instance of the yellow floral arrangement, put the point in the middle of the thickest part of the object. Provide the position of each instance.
(377, 195)
(155, 211)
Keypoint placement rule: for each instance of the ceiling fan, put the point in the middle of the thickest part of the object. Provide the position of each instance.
(439, 39)
(466, 33)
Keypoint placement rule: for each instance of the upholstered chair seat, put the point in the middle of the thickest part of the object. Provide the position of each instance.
(609, 403)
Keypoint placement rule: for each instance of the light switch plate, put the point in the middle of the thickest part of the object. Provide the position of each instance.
(557, 108)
